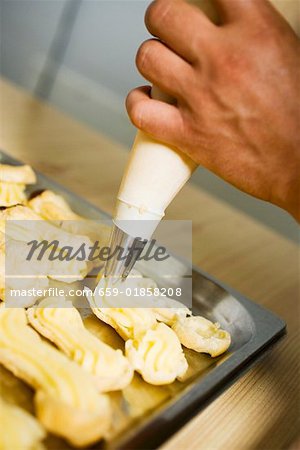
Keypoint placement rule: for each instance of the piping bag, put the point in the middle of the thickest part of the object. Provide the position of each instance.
(154, 175)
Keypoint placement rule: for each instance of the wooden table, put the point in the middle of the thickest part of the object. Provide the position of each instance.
(259, 411)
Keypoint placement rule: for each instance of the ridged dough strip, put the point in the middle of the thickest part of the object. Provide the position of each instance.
(13, 181)
(153, 348)
(20, 430)
(54, 207)
(58, 320)
(66, 399)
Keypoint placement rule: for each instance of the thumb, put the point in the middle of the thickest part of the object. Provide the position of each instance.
(159, 119)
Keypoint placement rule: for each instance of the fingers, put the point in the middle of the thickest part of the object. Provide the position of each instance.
(164, 68)
(159, 119)
(177, 24)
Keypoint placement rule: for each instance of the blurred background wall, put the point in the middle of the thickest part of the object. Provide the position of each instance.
(79, 55)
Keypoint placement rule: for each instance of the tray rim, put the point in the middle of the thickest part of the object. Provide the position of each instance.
(215, 382)
(269, 328)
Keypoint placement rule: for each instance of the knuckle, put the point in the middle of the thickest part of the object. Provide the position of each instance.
(142, 56)
(150, 13)
(157, 12)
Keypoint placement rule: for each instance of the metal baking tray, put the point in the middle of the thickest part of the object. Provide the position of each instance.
(145, 415)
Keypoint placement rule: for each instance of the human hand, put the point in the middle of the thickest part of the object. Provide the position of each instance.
(236, 86)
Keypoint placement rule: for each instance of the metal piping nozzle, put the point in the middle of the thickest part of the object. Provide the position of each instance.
(126, 250)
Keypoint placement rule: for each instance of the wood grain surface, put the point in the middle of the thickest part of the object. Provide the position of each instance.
(261, 410)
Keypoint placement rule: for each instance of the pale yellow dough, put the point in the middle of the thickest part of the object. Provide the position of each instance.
(128, 322)
(168, 311)
(11, 193)
(157, 355)
(194, 332)
(13, 181)
(41, 230)
(20, 430)
(201, 335)
(17, 174)
(152, 348)
(59, 321)
(161, 308)
(36, 280)
(66, 400)
(2, 267)
(54, 207)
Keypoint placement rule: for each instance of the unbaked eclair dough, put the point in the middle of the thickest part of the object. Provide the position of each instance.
(40, 230)
(66, 399)
(58, 320)
(54, 207)
(157, 355)
(153, 348)
(202, 335)
(20, 430)
(13, 181)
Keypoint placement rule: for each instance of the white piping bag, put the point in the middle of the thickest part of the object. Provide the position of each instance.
(154, 175)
